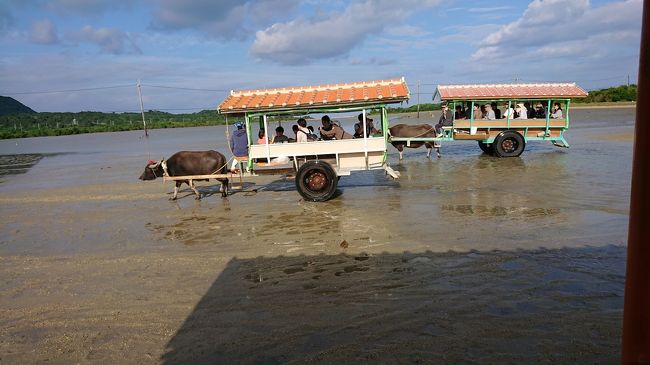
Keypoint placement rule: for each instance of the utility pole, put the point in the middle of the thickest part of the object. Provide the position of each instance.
(418, 99)
(628, 80)
(144, 123)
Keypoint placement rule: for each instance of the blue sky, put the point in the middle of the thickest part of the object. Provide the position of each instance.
(176, 46)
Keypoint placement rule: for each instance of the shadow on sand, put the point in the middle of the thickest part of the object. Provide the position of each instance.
(538, 307)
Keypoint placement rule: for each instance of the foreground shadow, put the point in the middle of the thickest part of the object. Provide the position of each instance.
(545, 306)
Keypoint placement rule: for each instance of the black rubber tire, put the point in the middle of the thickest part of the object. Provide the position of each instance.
(509, 144)
(488, 148)
(316, 181)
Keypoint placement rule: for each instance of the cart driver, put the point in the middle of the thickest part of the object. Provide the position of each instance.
(238, 145)
(445, 118)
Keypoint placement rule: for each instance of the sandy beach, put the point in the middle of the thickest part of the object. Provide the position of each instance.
(467, 259)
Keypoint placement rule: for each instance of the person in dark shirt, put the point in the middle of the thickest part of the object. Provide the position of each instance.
(331, 130)
(370, 127)
(540, 111)
(279, 136)
(460, 113)
(445, 119)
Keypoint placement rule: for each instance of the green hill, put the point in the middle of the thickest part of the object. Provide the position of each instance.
(12, 106)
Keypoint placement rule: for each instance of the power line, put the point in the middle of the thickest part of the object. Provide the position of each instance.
(67, 91)
(183, 88)
(108, 87)
(212, 107)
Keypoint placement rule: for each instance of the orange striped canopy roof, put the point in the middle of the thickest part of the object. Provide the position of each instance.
(315, 97)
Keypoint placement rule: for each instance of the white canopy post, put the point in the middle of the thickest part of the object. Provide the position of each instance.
(266, 137)
(365, 137)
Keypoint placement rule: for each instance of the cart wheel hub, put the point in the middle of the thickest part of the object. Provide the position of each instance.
(508, 145)
(316, 181)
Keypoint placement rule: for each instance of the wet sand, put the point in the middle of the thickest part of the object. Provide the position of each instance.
(466, 259)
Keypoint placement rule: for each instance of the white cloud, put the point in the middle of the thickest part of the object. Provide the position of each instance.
(110, 40)
(560, 25)
(302, 40)
(43, 32)
(470, 34)
(489, 9)
(226, 19)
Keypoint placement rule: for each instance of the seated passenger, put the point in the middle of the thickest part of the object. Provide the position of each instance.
(279, 136)
(540, 111)
(303, 134)
(509, 112)
(496, 110)
(557, 111)
(358, 127)
(261, 136)
(522, 112)
(459, 113)
(530, 113)
(477, 112)
(330, 130)
(489, 113)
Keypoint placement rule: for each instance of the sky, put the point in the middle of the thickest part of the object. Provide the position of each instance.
(79, 55)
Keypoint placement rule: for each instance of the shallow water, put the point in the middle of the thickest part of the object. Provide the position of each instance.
(549, 197)
(98, 266)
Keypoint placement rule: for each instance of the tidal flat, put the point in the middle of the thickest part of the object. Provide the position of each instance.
(465, 259)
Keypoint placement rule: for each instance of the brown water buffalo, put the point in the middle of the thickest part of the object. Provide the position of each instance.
(186, 163)
(414, 131)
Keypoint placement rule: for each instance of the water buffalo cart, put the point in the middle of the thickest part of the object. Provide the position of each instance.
(316, 164)
(533, 115)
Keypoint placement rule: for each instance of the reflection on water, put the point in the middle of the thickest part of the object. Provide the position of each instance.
(496, 211)
(18, 164)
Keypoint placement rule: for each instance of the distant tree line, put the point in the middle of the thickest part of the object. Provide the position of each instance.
(612, 94)
(56, 124)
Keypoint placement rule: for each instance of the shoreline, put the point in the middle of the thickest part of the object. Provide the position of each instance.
(616, 105)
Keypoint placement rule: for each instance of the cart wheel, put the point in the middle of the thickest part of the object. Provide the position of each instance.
(509, 144)
(488, 148)
(316, 181)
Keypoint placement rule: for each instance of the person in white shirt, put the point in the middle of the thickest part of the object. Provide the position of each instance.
(522, 112)
(303, 131)
(489, 113)
(508, 113)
